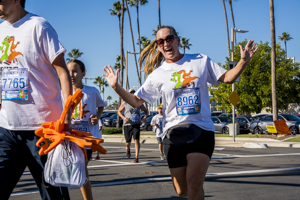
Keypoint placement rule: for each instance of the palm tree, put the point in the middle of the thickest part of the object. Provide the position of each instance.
(226, 20)
(74, 54)
(185, 44)
(133, 46)
(273, 59)
(115, 104)
(117, 11)
(155, 30)
(285, 37)
(159, 13)
(109, 98)
(231, 10)
(145, 42)
(101, 83)
(136, 3)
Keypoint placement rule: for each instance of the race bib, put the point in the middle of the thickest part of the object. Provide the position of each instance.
(80, 125)
(135, 118)
(14, 84)
(187, 101)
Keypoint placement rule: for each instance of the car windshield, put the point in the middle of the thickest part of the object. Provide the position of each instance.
(250, 119)
(114, 115)
(225, 119)
(291, 117)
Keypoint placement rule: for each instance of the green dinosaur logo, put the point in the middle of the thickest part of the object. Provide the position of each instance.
(10, 53)
(183, 79)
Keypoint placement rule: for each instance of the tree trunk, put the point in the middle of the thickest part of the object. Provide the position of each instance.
(103, 93)
(234, 34)
(136, 64)
(138, 26)
(285, 49)
(183, 49)
(159, 20)
(122, 56)
(273, 60)
(226, 27)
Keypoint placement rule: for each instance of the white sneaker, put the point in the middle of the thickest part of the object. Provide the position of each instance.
(162, 157)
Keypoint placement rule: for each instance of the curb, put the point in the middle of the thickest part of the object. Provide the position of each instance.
(223, 142)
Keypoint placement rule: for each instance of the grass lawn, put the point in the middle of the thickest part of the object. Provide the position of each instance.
(295, 139)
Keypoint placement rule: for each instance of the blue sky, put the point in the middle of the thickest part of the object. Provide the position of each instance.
(88, 26)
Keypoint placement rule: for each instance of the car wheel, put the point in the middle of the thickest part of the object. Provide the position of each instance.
(293, 130)
(225, 130)
(257, 130)
(149, 128)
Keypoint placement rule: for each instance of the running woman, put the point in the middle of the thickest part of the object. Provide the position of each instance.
(131, 125)
(181, 82)
(157, 122)
(87, 114)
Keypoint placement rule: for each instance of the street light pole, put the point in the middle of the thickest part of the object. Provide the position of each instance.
(232, 59)
(126, 66)
(86, 80)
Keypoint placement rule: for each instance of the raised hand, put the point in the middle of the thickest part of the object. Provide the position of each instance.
(111, 77)
(248, 52)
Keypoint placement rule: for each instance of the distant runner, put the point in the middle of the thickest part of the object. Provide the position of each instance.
(157, 122)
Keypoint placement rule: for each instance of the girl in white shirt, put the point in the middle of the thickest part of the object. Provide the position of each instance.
(87, 114)
(181, 82)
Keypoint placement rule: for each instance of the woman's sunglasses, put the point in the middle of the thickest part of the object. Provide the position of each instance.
(168, 39)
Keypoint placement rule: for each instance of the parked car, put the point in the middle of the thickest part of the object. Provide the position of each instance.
(259, 127)
(226, 115)
(107, 121)
(244, 122)
(216, 113)
(221, 124)
(260, 115)
(106, 115)
(147, 126)
(114, 122)
(298, 115)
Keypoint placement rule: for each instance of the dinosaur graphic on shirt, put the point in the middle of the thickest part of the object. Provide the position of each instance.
(79, 112)
(10, 53)
(6, 46)
(22, 94)
(13, 54)
(183, 78)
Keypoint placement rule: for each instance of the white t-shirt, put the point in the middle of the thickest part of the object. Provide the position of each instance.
(90, 101)
(34, 45)
(194, 69)
(157, 119)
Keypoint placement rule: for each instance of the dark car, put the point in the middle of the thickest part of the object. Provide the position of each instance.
(107, 121)
(245, 122)
(259, 127)
(216, 113)
(106, 115)
(147, 126)
(114, 122)
(221, 124)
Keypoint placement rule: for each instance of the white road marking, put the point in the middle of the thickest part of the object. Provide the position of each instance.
(143, 180)
(112, 147)
(254, 156)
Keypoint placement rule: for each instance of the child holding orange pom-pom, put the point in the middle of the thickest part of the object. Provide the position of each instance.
(87, 114)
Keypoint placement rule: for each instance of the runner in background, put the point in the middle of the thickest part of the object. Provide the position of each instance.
(131, 125)
(87, 113)
(99, 136)
(157, 122)
(181, 82)
(34, 77)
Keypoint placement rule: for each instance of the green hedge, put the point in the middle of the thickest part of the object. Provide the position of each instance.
(111, 131)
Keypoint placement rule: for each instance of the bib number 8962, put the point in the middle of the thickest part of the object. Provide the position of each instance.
(190, 100)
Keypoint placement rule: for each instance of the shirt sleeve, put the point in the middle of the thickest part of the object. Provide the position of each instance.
(100, 122)
(150, 90)
(153, 120)
(99, 100)
(50, 45)
(215, 71)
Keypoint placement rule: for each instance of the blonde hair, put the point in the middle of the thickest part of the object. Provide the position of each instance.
(150, 56)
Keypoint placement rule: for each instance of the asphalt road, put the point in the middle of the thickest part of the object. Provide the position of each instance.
(234, 174)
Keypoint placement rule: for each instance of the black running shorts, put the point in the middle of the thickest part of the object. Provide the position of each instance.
(132, 130)
(176, 154)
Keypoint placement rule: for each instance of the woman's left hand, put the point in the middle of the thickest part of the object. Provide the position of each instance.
(248, 52)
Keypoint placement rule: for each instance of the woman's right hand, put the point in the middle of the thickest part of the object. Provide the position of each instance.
(111, 77)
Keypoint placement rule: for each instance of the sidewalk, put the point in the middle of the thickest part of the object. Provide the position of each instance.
(148, 137)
